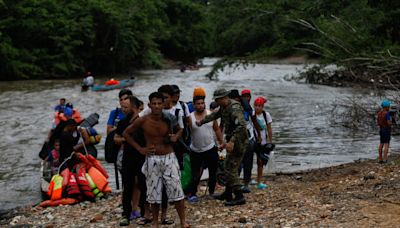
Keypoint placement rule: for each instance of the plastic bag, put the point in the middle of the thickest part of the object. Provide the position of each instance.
(270, 169)
(186, 175)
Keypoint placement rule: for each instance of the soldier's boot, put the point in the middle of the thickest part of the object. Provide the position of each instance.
(239, 199)
(226, 195)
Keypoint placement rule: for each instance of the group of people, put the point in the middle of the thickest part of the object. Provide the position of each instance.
(65, 136)
(154, 139)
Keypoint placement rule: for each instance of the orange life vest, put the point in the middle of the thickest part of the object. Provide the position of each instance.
(58, 117)
(55, 187)
(95, 190)
(111, 82)
(63, 201)
(76, 115)
(99, 179)
(97, 164)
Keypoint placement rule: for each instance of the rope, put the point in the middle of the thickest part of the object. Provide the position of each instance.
(84, 148)
(72, 154)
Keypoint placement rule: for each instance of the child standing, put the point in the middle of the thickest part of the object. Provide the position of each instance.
(385, 124)
(264, 120)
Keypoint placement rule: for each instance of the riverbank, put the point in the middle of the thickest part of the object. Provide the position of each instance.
(362, 194)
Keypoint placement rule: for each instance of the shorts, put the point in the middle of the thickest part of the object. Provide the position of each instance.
(162, 170)
(384, 135)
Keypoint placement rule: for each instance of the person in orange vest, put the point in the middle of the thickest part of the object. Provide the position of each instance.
(76, 115)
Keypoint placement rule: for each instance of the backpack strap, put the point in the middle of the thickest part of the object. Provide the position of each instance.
(265, 116)
(116, 114)
(183, 108)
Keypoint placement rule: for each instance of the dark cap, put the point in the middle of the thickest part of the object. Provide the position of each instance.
(70, 122)
(213, 105)
(176, 89)
(234, 94)
(220, 93)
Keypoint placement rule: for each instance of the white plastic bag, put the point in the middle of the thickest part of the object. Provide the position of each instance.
(270, 169)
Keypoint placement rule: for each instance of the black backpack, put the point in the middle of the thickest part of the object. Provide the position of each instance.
(110, 148)
(186, 130)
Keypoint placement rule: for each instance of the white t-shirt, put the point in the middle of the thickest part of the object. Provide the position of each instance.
(147, 111)
(185, 110)
(263, 126)
(89, 81)
(203, 136)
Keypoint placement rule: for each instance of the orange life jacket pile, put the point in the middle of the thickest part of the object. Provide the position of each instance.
(87, 181)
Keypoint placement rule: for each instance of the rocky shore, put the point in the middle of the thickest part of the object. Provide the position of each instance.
(359, 194)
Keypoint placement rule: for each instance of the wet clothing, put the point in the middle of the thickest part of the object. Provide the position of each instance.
(132, 162)
(234, 126)
(162, 171)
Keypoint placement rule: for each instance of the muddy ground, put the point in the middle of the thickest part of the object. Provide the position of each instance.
(359, 194)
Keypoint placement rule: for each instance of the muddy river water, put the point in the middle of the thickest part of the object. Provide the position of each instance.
(300, 115)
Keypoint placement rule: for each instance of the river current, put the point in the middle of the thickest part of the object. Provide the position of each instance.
(300, 114)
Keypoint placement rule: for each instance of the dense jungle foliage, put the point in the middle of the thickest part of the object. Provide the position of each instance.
(54, 38)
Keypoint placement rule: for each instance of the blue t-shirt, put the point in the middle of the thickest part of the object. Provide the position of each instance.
(115, 116)
(59, 108)
(387, 117)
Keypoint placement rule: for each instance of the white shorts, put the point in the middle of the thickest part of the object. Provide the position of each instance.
(162, 170)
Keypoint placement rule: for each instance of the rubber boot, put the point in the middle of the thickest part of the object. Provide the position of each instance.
(226, 195)
(239, 199)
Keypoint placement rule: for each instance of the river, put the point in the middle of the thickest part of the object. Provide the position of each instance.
(300, 115)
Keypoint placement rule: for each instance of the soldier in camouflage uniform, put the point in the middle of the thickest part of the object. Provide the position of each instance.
(231, 114)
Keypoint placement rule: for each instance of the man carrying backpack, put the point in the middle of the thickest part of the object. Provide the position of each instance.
(180, 105)
(116, 114)
(111, 149)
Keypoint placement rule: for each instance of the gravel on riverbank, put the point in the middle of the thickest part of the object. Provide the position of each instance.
(359, 194)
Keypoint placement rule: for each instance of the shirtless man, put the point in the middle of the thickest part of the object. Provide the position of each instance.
(161, 166)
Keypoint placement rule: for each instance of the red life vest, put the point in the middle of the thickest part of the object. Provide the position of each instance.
(83, 184)
(73, 188)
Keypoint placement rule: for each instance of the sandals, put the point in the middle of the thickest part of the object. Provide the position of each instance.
(134, 215)
(124, 221)
(144, 221)
(167, 221)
